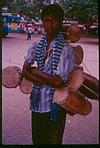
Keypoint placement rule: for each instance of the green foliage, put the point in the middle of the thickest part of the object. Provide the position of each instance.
(82, 10)
(85, 11)
(31, 10)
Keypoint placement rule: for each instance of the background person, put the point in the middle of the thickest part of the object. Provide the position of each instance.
(29, 31)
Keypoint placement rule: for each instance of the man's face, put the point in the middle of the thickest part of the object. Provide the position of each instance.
(51, 25)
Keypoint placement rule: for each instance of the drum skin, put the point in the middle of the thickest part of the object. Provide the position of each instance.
(11, 76)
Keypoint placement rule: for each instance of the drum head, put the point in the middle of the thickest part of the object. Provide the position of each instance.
(73, 33)
(11, 76)
(78, 54)
(75, 79)
(72, 102)
(25, 86)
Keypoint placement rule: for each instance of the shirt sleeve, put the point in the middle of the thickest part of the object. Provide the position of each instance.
(31, 54)
(67, 63)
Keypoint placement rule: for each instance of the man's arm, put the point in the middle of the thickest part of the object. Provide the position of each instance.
(37, 76)
(26, 72)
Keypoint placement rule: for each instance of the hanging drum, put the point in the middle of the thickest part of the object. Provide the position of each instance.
(84, 83)
(25, 86)
(11, 76)
(74, 97)
(73, 33)
(72, 101)
(90, 87)
(69, 98)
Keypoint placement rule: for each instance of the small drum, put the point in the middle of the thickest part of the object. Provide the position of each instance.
(25, 86)
(72, 101)
(11, 76)
(78, 54)
(84, 83)
(73, 33)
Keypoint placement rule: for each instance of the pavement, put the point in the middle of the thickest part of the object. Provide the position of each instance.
(16, 116)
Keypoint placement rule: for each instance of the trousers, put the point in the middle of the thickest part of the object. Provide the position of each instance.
(29, 36)
(46, 131)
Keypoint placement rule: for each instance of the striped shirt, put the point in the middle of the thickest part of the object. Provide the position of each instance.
(65, 66)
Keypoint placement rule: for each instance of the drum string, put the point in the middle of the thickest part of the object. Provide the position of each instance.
(86, 68)
(84, 65)
(90, 79)
(77, 91)
(90, 90)
(88, 71)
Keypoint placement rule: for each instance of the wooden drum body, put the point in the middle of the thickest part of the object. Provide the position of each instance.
(90, 87)
(72, 101)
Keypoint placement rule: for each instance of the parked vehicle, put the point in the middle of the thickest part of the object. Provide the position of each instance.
(10, 22)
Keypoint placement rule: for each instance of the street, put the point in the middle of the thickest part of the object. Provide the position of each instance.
(16, 116)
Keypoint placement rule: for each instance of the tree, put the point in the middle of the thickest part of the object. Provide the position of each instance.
(28, 8)
(81, 10)
(84, 11)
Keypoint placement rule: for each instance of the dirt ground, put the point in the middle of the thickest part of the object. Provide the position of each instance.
(16, 117)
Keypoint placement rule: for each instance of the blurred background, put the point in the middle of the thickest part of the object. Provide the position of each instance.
(17, 14)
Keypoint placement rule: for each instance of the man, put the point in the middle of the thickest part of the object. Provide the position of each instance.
(55, 60)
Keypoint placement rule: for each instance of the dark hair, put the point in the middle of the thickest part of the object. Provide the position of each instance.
(53, 9)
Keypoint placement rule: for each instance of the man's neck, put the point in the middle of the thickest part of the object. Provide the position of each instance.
(50, 38)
